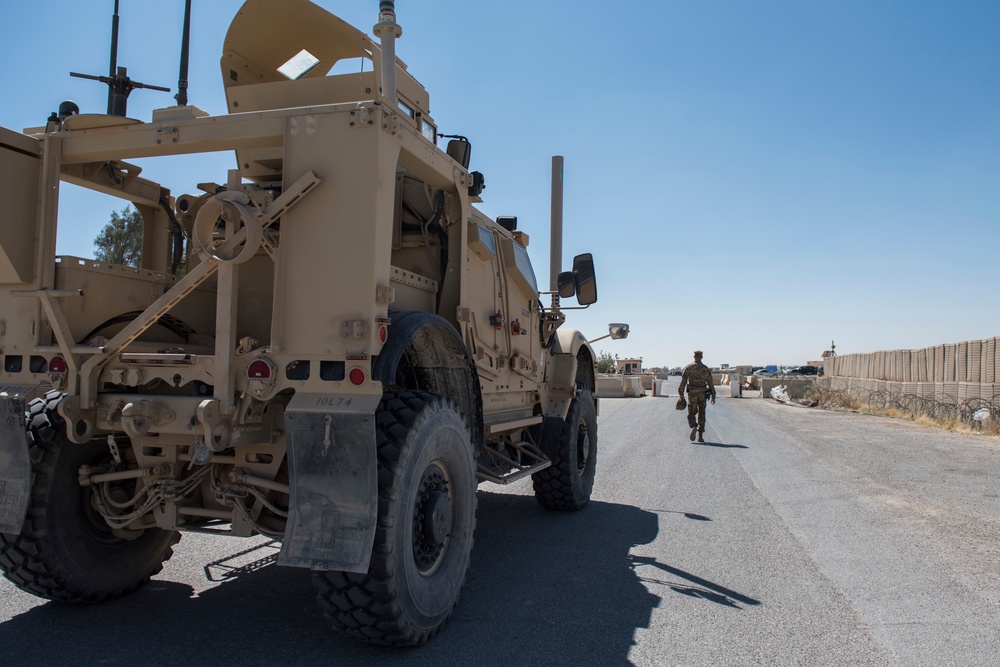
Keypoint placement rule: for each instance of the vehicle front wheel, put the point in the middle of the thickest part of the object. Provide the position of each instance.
(426, 520)
(569, 481)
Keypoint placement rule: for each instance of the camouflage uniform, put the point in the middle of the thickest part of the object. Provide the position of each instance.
(698, 379)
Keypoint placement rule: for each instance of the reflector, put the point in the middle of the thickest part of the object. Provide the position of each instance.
(259, 370)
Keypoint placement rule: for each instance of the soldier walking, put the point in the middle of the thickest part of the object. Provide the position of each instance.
(698, 379)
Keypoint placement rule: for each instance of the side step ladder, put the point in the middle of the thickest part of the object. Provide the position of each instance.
(529, 453)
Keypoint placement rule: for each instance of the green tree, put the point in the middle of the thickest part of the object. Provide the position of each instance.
(120, 242)
(605, 362)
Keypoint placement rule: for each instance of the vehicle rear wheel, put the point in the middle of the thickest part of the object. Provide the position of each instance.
(66, 552)
(569, 481)
(426, 520)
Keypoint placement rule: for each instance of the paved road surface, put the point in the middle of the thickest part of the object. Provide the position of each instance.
(793, 537)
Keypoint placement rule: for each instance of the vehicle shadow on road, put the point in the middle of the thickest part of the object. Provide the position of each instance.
(544, 588)
(260, 614)
(702, 588)
(558, 585)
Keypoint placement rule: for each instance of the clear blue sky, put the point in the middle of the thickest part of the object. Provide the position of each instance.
(754, 179)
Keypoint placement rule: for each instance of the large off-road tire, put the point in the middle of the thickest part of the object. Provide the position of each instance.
(426, 519)
(66, 552)
(568, 482)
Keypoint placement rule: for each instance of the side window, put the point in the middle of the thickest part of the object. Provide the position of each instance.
(517, 266)
(482, 243)
(523, 263)
(486, 238)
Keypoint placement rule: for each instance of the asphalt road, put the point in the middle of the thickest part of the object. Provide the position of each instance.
(792, 537)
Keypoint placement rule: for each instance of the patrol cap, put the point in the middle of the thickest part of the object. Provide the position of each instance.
(698, 353)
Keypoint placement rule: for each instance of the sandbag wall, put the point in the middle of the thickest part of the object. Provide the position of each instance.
(951, 380)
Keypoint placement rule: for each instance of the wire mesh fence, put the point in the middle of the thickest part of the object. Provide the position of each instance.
(952, 382)
(976, 412)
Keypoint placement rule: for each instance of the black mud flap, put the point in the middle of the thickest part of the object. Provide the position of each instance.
(334, 485)
(15, 467)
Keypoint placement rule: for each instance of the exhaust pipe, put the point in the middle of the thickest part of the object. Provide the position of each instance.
(556, 230)
(387, 32)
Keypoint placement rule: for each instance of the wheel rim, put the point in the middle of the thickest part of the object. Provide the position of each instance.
(432, 519)
(582, 446)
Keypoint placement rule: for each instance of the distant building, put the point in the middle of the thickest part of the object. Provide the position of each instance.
(628, 366)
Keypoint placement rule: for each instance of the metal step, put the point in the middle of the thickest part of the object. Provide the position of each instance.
(529, 452)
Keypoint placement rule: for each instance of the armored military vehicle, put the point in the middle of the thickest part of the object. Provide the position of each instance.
(330, 346)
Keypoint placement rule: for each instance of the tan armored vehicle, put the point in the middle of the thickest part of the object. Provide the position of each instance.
(345, 350)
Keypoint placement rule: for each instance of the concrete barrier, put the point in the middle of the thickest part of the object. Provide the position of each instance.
(620, 386)
(633, 386)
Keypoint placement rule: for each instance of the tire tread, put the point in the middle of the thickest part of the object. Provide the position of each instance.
(366, 606)
(554, 486)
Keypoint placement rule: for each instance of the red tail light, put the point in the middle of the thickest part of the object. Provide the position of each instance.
(357, 376)
(259, 370)
(58, 365)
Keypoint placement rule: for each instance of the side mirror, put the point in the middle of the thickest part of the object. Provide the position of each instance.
(618, 330)
(566, 284)
(586, 281)
(460, 150)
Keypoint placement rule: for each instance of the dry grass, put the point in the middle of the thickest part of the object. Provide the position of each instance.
(837, 400)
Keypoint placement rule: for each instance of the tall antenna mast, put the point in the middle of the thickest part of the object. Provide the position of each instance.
(119, 85)
(182, 82)
(113, 69)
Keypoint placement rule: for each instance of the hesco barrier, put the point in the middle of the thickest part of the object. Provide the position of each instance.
(951, 381)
